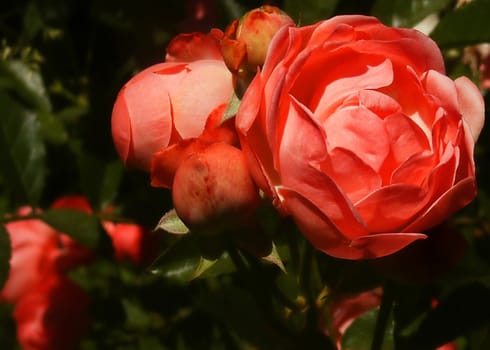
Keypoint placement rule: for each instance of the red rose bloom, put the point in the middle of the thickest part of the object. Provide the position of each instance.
(354, 130)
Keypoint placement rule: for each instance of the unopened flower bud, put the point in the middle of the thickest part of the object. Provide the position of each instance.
(213, 191)
(246, 40)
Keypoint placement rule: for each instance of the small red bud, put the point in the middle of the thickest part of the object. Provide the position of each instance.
(213, 191)
(246, 41)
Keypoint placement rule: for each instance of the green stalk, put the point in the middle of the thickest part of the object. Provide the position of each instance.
(383, 317)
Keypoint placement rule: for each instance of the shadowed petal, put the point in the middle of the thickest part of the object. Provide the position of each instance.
(382, 244)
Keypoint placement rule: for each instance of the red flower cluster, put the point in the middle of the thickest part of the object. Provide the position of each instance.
(350, 127)
(51, 311)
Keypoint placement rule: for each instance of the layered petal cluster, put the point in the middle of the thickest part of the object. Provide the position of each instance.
(355, 131)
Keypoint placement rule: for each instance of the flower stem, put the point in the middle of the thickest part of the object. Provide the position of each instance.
(237, 259)
(383, 317)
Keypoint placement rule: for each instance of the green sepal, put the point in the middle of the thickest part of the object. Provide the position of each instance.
(171, 223)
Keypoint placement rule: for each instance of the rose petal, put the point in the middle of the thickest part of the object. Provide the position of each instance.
(141, 118)
(73, 202)
(443, 175)
(346, 308)
(411, 96)
(206, 86)
(415, 170)
(248, 112)
(442, 88)
(389, 208)
(297, 161)
(346, 129)
(471, 105)
(382, 244)
(33, 245)
(325, 236)
(379, 103)
(316, 226)
(330, 32)
(406, 46)
(166, 161)
(347, 72)
(416, 51)
(260, 166)
(121, 127)
(449, 203)
(406, 138)
(340, 164)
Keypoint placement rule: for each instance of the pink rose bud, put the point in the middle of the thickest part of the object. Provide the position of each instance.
(165, 162)
(169, 102)
(213, 191)
(247, 40)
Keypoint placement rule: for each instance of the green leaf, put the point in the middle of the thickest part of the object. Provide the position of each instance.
(52, 128)
(406, 13)
(136, 316)
(232, 108)
(215, 267)
(179, 261)
(27, 83)
(309, 11)
(360, 333)
(5, 253)
(100, 180)
(82, 227)
(171, 223)
(23, 152)
(240, 313)
(203, 266)
(185, 260)
(464, 26)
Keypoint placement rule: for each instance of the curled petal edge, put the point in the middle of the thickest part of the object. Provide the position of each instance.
(471, 105)
(449, 203)
(326, 237)
(383, 244)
